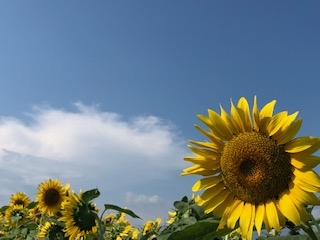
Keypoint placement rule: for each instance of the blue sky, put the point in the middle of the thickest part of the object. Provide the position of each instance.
(104, 93)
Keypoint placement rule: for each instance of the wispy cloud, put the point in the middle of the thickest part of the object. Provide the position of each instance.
(142, 198)
(90, 148)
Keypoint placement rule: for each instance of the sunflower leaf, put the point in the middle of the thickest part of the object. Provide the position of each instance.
(32, 204)
(119, 209)
(199, 231)
(89, 195)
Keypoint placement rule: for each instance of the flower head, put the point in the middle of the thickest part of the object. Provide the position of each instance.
(50, 195)
(79, 217)
(19, 198)
(16, 215)
(254, 170)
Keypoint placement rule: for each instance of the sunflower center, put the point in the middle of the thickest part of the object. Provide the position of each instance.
(51, 197)
(254, 168)
(84, 217)
(19, 202)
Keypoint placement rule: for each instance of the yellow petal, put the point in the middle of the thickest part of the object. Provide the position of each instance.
(246, 218)
(204, 151)
(209, 145)
(211, 193)
(237, 118)
(197, 169)
(217, 142)
(244, 111)
(286, 134)
(201, 160)
(205, 183)
(276, 123)
(301, 144)
(303, 197)
(225, 116)
(219, 210)
(227, 212)
(309, 177)
(267, 110)
(255, 114)
(220, 127)
(235, 214)
(306, 163)
(249, 234)
(272, 215)
(209, 206)
(207, 121)
(259, 217)
(288, 208)
(265, 115)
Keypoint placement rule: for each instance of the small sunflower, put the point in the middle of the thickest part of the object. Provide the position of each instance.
(19, 198)
(254, 170)
(173, 217)
(50, 230)
(50, 195)
(35, 214)
(79, 217)
(151, 226)
(16, 215)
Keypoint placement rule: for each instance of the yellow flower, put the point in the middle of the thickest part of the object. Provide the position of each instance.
(78, 216)
(50, 230)
(151, 226)
(16, 215)
(254, 170)
(173, 217)
(50, 195)
(19, 198)
(108, 218)
(44, 230)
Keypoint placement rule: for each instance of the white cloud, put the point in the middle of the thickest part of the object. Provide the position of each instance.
(91, 148)
(142, 198)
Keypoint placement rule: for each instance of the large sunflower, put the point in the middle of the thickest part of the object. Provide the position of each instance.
(254, 170)
(79, 217)
(50, 195)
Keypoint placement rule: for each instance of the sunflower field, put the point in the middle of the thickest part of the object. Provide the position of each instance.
(257, 182)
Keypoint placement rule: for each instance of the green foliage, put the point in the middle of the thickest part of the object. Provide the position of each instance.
(119, 209)
(88, 196)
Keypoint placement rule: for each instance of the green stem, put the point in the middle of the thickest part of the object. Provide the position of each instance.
(308, 229)
(315, 222)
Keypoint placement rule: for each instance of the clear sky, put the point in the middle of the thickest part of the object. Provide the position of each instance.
(105, 93)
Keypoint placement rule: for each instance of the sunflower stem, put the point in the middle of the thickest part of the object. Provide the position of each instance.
(315, 222)
(308, 229)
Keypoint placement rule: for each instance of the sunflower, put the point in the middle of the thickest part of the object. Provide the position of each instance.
(19, 198)
(151, 226)
(79, 217)
(254, 170)
(16, 215)
(50, 195)
(50, 230)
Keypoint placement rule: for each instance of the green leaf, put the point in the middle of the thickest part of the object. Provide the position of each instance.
(32, 205)
(217, 234)
(89, 195)
(4, 208)
(180, 205)
(119, 209)
(32, 226)
(196, 231)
